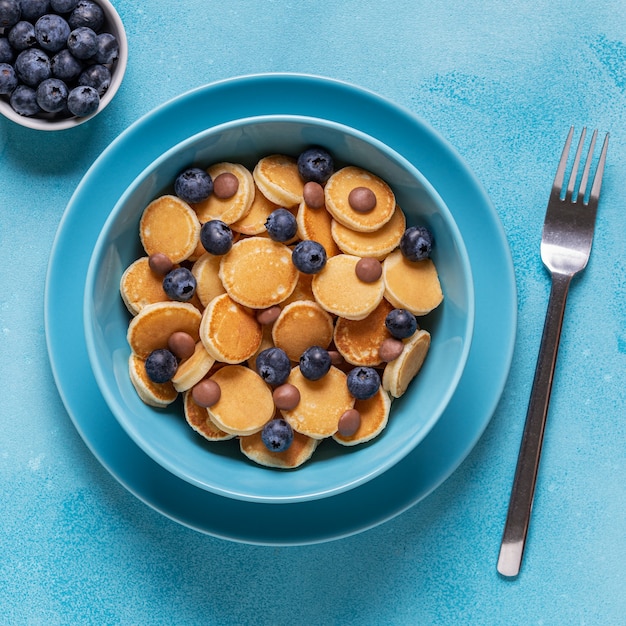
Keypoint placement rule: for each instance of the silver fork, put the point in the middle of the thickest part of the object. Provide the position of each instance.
(565, 248)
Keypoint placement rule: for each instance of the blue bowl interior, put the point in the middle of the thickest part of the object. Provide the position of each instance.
(220, 466)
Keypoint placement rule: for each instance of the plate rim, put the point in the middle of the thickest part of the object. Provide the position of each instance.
(360, 94)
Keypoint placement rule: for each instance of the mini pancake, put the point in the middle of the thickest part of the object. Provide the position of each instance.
(358, 341)
(170, 226)
(140, 286)
(401, 371)
(245, 403)
(258, 272)
(377, 244)
(229, 332)
(206, 272)
(322, 403)
(151, 328)
(198, 418)
(338, 290)
(198, 252)
(338, 188)
(301, 325)
(278, 179)
(303, 290)
(315, 224)
(228, 210)
(154, 394)
(253, 223)
(300, 451)
(411, 285)
(193, 369)
(374, 417)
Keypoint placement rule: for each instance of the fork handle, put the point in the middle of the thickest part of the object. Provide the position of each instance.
(523, 490)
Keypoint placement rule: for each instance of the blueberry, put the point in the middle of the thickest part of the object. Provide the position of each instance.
(273, 366)
(83, 101)
(87, 13)
(277, 435)
(65, 66)
(180, 284)
(193, 185)
(97, 76)
(10, 13)
(363, 382)
(8, 79)
(216, 237)
(281, 225)
(107, 48)
(161, 365)
(314, 363)
(24, 101)
(51, 32)
(32, 66)
(63, 6)
(416, 243)
(82, 42)
(52, 95)
(309, 256)
(6, 51)
(34, 9)
(401, 323)
(22, 36)
(315, 164)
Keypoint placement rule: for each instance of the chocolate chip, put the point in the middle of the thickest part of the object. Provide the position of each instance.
(181, 344)
(286, 397)
(268, 316)
(313, 194)
(349, 423)
(390, 349)
(206, 393)
(336, 358)
(225, 185)
(368, 269)
(362, 199)
(160, 263)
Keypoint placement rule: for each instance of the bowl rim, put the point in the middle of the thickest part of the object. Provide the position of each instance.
(118, 410)
(117, 76)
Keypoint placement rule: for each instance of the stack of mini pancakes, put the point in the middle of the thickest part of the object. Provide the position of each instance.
(334, 309)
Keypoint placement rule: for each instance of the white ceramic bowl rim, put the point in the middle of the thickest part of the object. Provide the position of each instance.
(39, 123)
(118, 409)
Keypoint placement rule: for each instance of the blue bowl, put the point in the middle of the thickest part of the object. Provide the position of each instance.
(220, 467)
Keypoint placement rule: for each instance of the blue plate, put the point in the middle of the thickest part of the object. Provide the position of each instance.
(456, 432)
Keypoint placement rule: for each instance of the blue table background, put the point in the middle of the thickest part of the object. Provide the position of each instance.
(502, 82)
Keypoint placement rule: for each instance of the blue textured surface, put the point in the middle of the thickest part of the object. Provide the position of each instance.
(502, 82)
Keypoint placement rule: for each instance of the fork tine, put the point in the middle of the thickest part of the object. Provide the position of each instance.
(557, 185)
(585, 177)
(597, 179)
(572, 179)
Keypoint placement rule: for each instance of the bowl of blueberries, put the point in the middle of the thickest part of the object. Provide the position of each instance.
(180, 432)
(61, 61)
